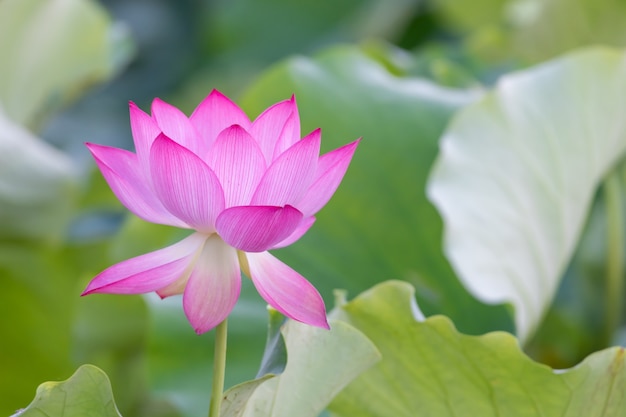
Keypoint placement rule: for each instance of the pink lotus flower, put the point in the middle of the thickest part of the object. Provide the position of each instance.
(243, 187)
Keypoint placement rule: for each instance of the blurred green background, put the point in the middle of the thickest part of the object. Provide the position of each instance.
(391, 71)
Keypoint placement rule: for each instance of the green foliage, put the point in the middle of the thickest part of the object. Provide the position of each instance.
(532, 30)
(320, 363)
(51, 50)
(38, 186)
(517, 174)
(36, 305)
(429, 368)
(86, 393)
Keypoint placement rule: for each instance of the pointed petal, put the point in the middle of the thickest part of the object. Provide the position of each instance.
(213, 287)
(148, 272)
(257, 228)
(289, 177)
(305, 225)
(144, 130)
(124, 175)
(214, 114)
(331, 169)
(290, 133)
(176, 125)
(286, 290)
(238, 163)
(186, 186)
(277, 125)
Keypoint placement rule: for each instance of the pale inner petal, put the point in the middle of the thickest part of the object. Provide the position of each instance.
(214, 285)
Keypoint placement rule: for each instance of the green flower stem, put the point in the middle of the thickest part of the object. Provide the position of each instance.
(219, 369)
(615, 262)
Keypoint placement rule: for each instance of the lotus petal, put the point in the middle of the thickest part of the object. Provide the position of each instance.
(286, 290)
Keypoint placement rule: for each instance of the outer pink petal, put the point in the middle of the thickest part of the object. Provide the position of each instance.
(213, 287)
(238, 163)
(304, 227)
(214, 114)
(148, 272)
(278, 124)
(289, 177)
(176, 125)
(124, 175)
(331, 168)
(257, 228)
(286, 290)
(144, 130)
(186, 186)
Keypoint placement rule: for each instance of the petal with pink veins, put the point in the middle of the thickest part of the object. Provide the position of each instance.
(332, 167)
(176, 125)
(286, 290)
(257, 228)
(289, 177)
(279, 123)
(238, 163)
(213, 287)
(149, 272)
(186, 186)
(214, 114)
(144, 130)
(290, 133)
(305, 225)
(124, 175)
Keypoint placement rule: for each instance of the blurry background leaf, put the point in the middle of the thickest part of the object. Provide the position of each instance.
(36, 306)
(275, 353)
(243, 38)
(528, 31)
(86, 393)
(320, 363)
(38, 186)
(517, 174)
(429, 368)
(51, 50)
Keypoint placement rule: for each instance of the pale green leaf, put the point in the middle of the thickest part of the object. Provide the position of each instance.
(86, 393)
(517, 173)
(320, 363)
(430, 369)
(37, 185)
(52, 49)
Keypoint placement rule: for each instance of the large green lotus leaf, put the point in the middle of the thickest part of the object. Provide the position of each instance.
(430, 369)
(320, 363)
(37, 185)
(379, 224)
(52, 49)
(86, 393)
(517, 173)
(534, 30)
